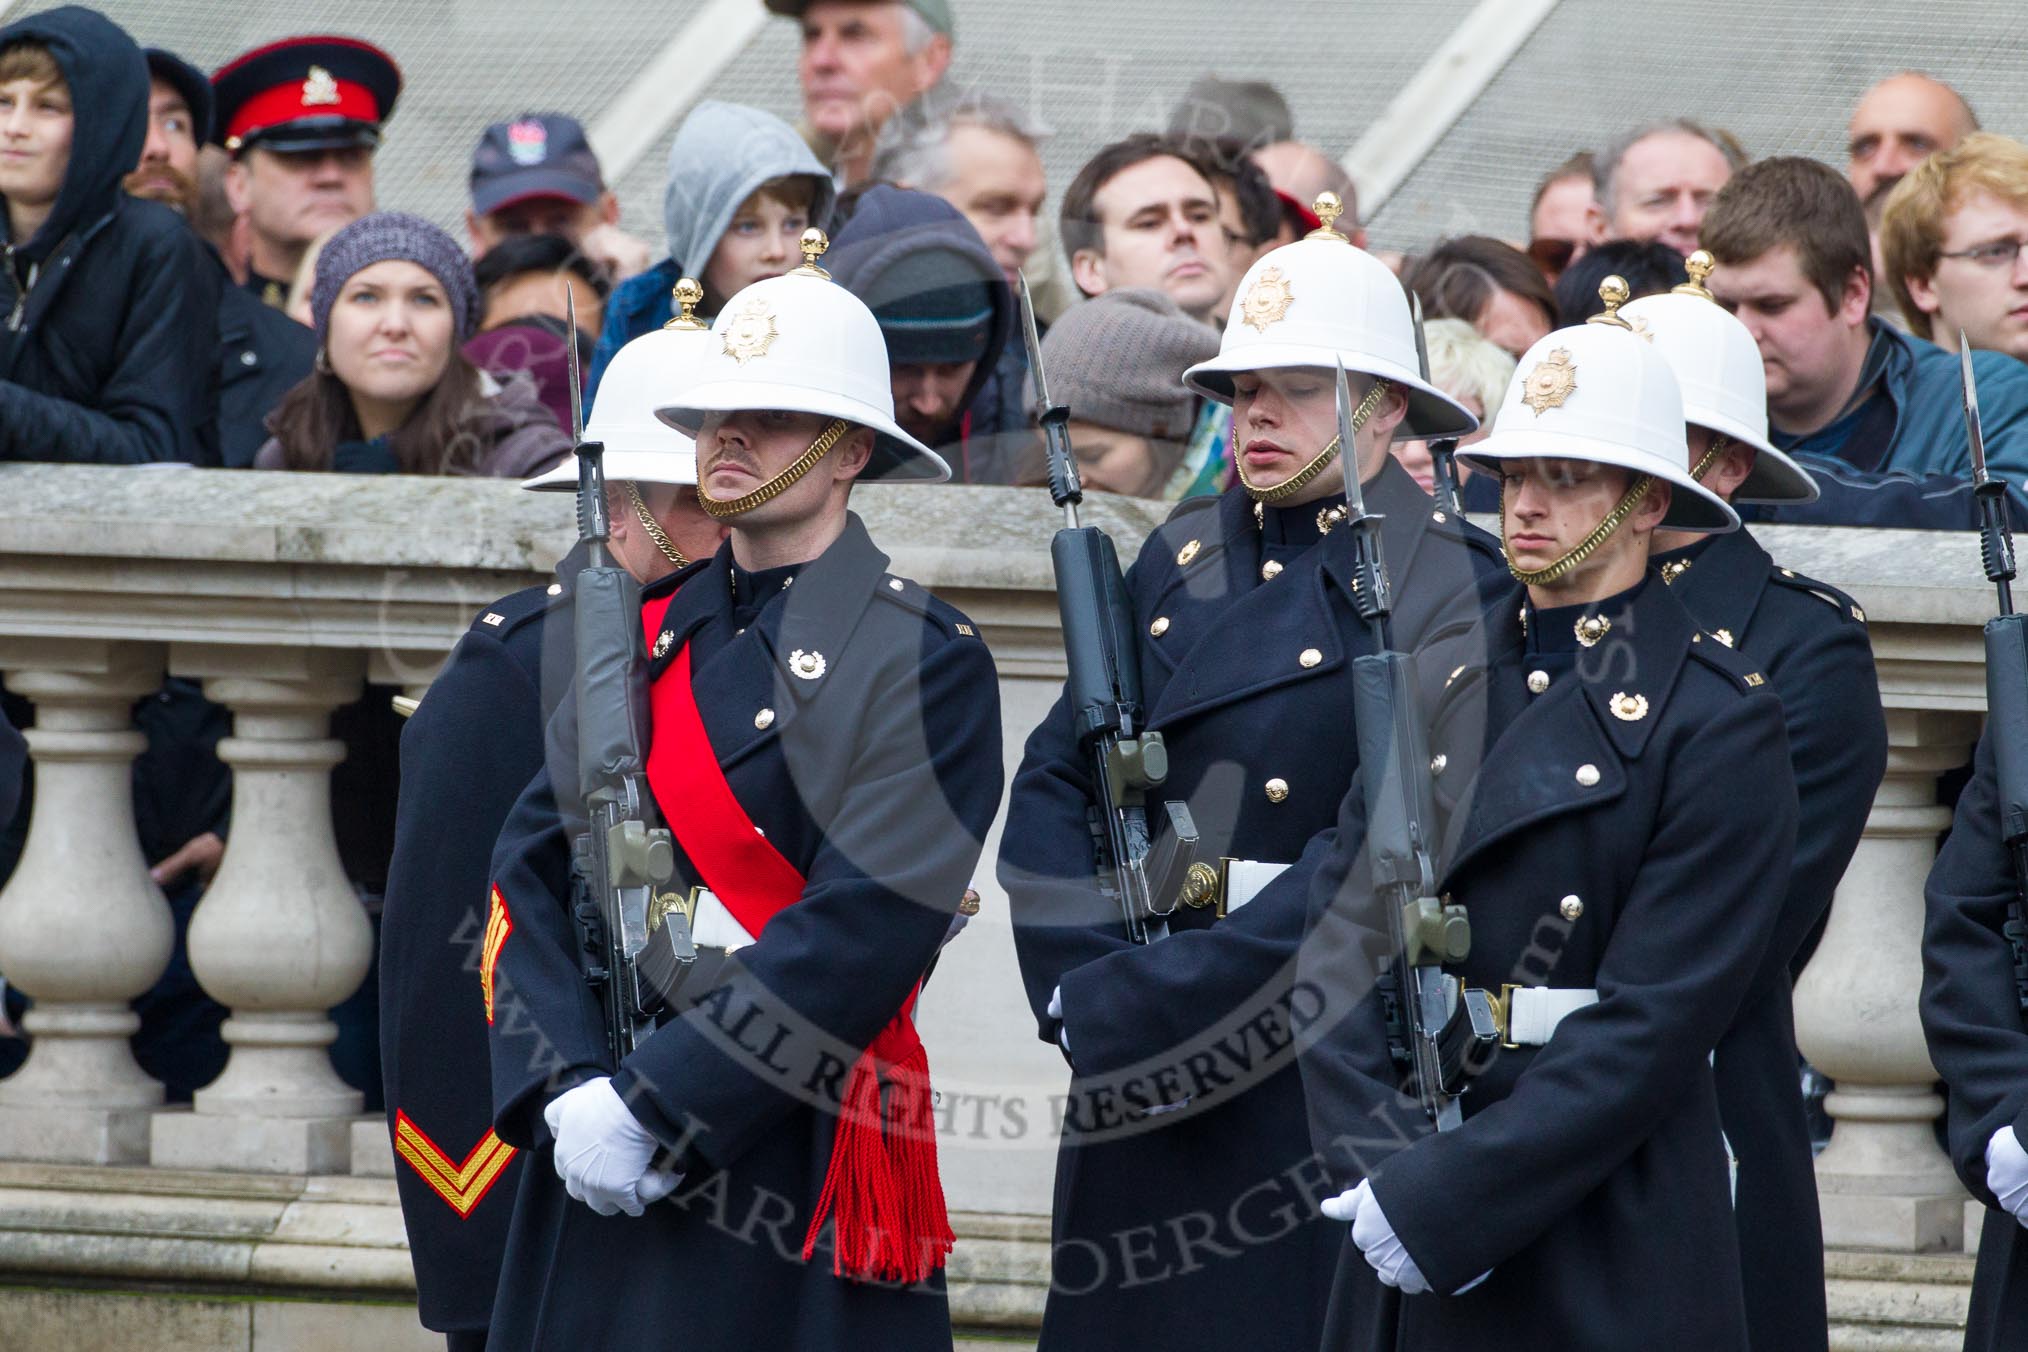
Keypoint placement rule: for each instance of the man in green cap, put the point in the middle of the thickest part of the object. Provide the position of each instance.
(863, 61)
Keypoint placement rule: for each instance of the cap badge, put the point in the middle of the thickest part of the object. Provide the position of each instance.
(750, 332)
(319, 89)
(1630, 708)
(1267, 300)
(527, 142)
(808, 665)
(1551, 383)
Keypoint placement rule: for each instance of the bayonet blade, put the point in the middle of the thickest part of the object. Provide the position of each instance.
(576, 381)
(1421, 342)
(1975, 435)
(1348, 450)
(1032, 339)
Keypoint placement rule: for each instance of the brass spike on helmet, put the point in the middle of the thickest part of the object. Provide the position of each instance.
(1699, 266)
(1329, 207)
(1613, 292)
(688, 295)
(813, 245)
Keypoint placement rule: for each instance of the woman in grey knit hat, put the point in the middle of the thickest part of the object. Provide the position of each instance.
(392, 393)
(1117, 362)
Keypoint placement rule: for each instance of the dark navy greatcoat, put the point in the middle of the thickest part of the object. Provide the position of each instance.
(1623, 832)
(1971, 1017)
(1200, 1229)
(471, 746)
(1809, 639)
(876, 773)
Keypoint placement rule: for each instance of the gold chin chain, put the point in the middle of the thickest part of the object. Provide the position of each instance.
(1719, 443)
(1586, 547)
(1289, 487)
(654, 528)
(722, 508)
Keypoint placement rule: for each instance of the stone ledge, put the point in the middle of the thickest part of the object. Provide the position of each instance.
(1887, 1302)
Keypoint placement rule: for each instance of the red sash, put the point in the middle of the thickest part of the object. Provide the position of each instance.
(882, 1184)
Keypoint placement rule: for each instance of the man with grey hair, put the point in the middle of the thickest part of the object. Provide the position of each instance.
(863, 61)
(1657, 181)
(979, 154)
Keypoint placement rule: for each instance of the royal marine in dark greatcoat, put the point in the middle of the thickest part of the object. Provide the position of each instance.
(466, 752)
(1186, 1192)
(1614, 811)
(1809, 639)
(760, 1171)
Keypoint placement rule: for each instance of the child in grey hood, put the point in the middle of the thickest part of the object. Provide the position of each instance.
(742, 189)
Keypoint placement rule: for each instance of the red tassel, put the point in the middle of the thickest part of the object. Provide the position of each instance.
(882, 1189)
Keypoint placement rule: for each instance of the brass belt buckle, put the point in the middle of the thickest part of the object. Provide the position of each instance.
(665, 902)
(1503, 1014)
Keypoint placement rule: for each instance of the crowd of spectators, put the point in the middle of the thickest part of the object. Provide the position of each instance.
(147, 203)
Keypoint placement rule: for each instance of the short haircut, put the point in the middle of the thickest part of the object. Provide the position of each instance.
(1463, 361)
(1582, 165)
(518, 254)
(1078, 220)
(1912, 228)
(1457, 279)
(1648, 267)
(1608, 163)
(1801, 203)
(1259, 208)
(914, 146)
(28, 59)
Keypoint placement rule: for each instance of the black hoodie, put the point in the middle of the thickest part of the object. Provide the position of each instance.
(98, 311)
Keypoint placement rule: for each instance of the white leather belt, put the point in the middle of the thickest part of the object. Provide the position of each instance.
(1532, 1013)
(1245, 879)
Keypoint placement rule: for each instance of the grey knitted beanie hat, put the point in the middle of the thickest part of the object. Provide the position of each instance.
(1117, 360)
(395, 234)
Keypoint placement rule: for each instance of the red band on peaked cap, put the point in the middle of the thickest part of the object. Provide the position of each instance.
(284, 103)
(263, 89)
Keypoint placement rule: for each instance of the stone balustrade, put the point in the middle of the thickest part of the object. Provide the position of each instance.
(286, 595)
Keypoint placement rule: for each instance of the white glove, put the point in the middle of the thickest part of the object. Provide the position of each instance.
(2007, 1172)
(603, 1152)
(1055, 1011)
(1375, 1236)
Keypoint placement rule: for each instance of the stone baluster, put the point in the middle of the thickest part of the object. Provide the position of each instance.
(82, 928)
(280, 937)
(1883, 1182)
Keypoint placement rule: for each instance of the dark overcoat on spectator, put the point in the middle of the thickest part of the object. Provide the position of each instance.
(103, 313)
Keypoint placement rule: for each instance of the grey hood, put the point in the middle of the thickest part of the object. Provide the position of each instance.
(722, 153)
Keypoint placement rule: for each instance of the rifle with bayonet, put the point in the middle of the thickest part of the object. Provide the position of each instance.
(1443, 451)
(1104, 693)
(1436, 1027)
(2006, 672)
(624, 854)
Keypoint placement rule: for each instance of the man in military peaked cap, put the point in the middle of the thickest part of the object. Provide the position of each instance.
(825, 745)
(301, 118)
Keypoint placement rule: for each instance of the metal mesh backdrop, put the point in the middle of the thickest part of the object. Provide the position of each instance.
(1782, 76)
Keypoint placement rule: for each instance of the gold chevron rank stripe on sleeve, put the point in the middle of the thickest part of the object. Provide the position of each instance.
(462, 1186)
(498, 926)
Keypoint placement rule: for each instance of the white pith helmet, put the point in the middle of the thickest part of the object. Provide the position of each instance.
(638, 380)
(1597, 392)
(804, 344)
(1717, 366)
(1320, 302)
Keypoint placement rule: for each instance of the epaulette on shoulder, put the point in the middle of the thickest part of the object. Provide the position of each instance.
(917, 599)
(1823, 591)
(509, 613)
(1739, 670)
